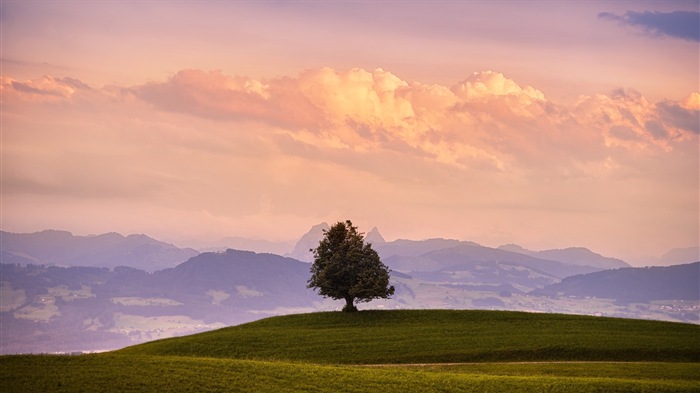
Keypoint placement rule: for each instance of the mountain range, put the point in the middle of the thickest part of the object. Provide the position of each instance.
(61, 248)
(134, 288)
(632, 285)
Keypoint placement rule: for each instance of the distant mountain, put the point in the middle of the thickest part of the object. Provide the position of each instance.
(680, 282)
(310, 239)
(468, 263)
(679, 256)
(109, 250)
(16, 259)
(472, 264)
(246, 244)
(248, 280)
(307, 242)
(414, 248)
(374, 237)
(439, 254)
(571, 256)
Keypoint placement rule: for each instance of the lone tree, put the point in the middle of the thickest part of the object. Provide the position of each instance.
(345, 267)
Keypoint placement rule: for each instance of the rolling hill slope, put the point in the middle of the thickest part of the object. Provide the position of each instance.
(379, 351)
(437, 336)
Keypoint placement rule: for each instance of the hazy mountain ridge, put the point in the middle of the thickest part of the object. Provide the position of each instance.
(308, 242)
(471, 253)
(246, 279)
(109, 250)
(680, 282)
(468, 263)
(243, 244)
(678, 256)
(412, 255)
(571, 255)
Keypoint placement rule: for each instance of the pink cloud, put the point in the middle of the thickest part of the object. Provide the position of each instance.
(328, 143)
(487, 120)
(628, 120)
(215, 95)
(47, 88)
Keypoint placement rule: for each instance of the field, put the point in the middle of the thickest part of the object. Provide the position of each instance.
(435, 350)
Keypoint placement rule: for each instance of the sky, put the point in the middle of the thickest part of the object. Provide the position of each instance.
(548, 124)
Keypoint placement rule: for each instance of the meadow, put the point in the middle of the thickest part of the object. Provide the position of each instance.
(436, 350)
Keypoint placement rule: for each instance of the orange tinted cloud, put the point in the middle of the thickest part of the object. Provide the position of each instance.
(484, 117)
(46, 88)
(487, 118)
(483, 154)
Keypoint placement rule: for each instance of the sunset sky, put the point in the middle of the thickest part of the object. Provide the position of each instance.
(544, 123)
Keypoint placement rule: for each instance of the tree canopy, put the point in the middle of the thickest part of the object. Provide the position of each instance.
(345, 267)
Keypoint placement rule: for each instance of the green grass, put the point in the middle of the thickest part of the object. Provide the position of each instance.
(374, 351)
(438, 336)
(118, 373)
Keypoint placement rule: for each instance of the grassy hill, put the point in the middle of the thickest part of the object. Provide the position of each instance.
(437, 336)
(381, 350)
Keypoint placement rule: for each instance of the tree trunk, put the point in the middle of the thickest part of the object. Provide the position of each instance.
(349, 304)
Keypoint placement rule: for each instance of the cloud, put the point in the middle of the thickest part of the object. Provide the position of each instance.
(494, 84)
(209, 94)
(357, 117)
(677, 24)
(626, 119)
(486, 121)
(675, 115)
(45, 88)
(210, 150)
(656, 129)
(214, 95)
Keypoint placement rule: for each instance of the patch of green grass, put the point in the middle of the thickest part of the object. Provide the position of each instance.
(115, 373)
(689, 372)
(438, 336)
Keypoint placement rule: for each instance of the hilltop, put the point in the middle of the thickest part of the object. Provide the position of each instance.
(437, 336)
(388, 351)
